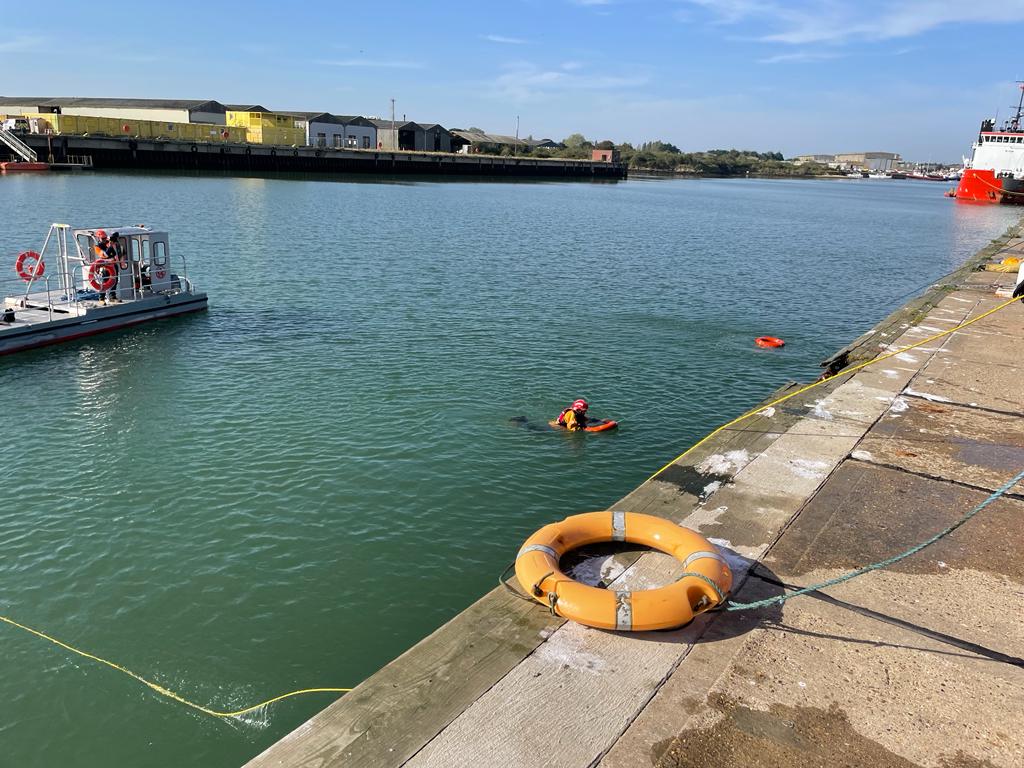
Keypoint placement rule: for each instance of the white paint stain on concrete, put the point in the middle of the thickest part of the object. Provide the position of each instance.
(862, 455)
(819, 411)
(565, 650)
(899, 405)
(728, 463)
(710, 488)
(890, 373)
(808, 468)
(926, 396)
(906, 358)
(768, 412)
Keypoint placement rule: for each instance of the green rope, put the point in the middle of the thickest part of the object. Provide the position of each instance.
(731, 606)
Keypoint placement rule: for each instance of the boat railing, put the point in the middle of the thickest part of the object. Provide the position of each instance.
(53, 284)
(63, 292)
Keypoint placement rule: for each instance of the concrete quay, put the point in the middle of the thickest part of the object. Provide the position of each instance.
(921, 664)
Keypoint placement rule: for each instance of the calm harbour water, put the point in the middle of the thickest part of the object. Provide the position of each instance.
(290, 490)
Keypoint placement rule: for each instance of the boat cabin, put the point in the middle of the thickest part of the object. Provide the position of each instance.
(142, 261)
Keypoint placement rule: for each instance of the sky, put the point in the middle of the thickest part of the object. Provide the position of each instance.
(795, 76)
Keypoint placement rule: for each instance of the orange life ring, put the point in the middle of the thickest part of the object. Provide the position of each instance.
(102, 274)
(31, 271)
(706, 582)
(604, 426)
(769, 342)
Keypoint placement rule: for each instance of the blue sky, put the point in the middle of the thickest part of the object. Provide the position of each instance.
(913, 77)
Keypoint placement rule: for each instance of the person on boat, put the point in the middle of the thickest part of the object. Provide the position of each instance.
(574, 418)
(108, 248)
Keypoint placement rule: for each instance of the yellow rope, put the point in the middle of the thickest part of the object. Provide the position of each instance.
(818, 383)
(159, 688)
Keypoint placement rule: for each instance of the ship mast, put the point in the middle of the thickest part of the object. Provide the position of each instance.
(1015, 121)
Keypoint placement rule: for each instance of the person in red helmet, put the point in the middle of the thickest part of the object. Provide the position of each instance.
(107, 248)
(574, 418)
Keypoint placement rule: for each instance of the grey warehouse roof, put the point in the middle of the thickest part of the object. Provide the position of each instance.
(195, 105)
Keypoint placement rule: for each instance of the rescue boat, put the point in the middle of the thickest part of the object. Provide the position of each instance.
(89, 292)
(995, 172)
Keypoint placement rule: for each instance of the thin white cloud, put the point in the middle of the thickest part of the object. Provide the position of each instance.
(589, 3)
(800, 57)
(504, 40)
(379, 63)
(803, 21)
(525, 81)
(572, 66)
(22, 43)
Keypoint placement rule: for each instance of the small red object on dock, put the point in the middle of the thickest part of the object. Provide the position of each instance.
(769, 342)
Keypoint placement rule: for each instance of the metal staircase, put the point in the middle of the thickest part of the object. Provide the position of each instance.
(18, 147)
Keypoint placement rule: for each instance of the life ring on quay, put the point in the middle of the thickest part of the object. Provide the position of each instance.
(194, 148)
(102, 274)
(769, 342)
(273, 153)
(604, 426)
(29, 272)
(248, 150)
(705, 584)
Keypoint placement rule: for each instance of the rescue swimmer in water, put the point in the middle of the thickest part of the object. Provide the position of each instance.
(571, 419)
(574, 419)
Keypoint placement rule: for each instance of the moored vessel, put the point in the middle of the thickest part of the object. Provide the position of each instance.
(995, 172)
(96, 286)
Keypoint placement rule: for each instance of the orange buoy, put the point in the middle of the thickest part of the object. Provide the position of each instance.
(769, 342)
(706, 582)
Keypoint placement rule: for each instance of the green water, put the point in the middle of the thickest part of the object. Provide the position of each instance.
(293, 488)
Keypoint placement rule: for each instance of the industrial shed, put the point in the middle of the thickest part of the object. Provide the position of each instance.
(160, 110)
(399, 134)
(339, 131)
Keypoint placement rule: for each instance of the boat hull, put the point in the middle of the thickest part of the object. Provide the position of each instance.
(982, 186)
(111, 318)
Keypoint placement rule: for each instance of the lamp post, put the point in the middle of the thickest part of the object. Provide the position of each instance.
(394, 136)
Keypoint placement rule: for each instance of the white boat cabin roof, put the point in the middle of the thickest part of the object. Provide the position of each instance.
(137, 229)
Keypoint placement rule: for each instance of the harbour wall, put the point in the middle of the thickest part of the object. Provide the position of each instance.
(866, 463)
(117, 153)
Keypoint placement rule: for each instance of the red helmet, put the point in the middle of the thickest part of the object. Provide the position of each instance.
(580, 405)
(101, 234)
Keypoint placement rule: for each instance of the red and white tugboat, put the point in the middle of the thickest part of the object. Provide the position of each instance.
(995, 172)
(96, 285)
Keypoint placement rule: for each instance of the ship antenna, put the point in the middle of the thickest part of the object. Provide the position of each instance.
(1015, 123)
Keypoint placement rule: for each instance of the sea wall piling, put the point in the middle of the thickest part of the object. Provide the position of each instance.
(116, 153)
(918, 664)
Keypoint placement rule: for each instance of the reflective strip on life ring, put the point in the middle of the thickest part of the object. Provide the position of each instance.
(35, 268)
(769, 342)
(102, 274)
(667, 607)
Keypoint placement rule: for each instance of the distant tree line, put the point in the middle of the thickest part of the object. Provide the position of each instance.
(664, 157)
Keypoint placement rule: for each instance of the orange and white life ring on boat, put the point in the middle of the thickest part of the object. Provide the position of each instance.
(769, 342)
(102, 274)
(705, 584)
(29, 265)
